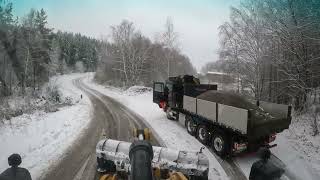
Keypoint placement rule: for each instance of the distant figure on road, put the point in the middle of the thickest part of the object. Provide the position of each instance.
(57, 98)
(264, 169)
(81, 96)
(15, 172)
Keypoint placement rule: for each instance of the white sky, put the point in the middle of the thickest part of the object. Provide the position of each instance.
(196, 22)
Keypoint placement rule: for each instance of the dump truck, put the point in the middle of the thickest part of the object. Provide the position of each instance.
(228, 122)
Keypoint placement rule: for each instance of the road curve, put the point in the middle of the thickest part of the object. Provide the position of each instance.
(232, 170)
(109, 118)
(115, 121)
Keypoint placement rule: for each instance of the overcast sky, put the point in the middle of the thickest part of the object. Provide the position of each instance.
(195, 21)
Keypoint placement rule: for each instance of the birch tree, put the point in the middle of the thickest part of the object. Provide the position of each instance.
(169, 40)
(273, 45)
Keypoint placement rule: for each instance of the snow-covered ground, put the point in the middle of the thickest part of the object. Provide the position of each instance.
(173, 135)
(300, 136)
(298, 150)
(295, 165)
(42, 138)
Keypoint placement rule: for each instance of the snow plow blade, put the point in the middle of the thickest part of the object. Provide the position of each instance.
(115, 154)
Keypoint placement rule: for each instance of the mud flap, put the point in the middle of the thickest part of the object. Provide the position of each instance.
(271, 146)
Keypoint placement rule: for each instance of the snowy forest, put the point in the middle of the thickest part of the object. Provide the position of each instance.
(31, 52)
(133, 59)
(272, 47)
(78, 77)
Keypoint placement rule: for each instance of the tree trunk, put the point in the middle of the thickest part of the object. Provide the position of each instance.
(12, 53)
(270, 84)
(4, 87)
(10, 77)
(34, 77)
(315, 122)
(26, 66)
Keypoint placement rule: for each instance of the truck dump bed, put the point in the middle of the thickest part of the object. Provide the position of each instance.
(236, 112)
(276, 119)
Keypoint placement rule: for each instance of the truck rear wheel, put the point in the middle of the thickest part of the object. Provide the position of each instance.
(220, 144)
(172, 115)
(203, 134)
(190, 125)
(198, 178)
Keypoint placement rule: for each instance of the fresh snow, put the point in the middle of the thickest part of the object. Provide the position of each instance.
(295, 165)
(43, 138)
(297, 150)
(172, 134)
(300, 136)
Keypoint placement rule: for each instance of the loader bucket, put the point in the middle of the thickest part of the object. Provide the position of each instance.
(188, 163)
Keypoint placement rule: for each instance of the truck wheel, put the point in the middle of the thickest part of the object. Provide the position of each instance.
(190, 125)
(171, 114)
(198, 178)
(105, 165)
(220, 144)
(203, 134)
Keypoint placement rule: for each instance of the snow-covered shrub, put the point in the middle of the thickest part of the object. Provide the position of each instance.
(48, 98)
(51, 92)
(135, 90)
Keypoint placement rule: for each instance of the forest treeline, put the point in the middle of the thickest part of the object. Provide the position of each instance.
(273, 48)
(31, 52)
(133, 59)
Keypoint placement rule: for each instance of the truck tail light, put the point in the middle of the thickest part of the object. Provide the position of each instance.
(239, 147)
(163, 105)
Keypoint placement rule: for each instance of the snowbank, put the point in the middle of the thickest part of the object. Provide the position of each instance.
(174, 136)
(297, 149)
(304, 148)
(42, 138)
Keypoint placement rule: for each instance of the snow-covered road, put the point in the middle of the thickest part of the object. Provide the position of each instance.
(42, 138)
(175, 136)
(110, 118)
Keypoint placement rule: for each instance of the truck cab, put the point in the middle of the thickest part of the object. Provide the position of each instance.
(158, 92)
(169, 95)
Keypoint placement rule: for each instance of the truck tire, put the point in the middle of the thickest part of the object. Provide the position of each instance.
(190, 125)
(204, 176)
(172, 115)
(198, 178)
(203, 134)
(168, 113)
(105, 165)
(220, 143)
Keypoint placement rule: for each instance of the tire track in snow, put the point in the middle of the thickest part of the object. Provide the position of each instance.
(109, 116)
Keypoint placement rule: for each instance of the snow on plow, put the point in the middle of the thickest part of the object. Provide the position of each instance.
(113, 155)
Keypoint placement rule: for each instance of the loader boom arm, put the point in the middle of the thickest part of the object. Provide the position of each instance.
(141, 155)
(142, 161)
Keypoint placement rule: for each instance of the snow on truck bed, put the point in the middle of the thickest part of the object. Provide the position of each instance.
(42, 138)
(173, 135)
